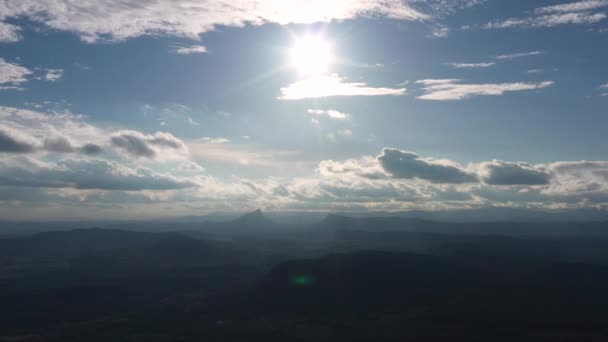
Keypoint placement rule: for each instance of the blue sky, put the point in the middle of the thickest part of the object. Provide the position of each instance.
(130, 109)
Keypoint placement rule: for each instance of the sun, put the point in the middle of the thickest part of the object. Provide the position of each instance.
(311, 55)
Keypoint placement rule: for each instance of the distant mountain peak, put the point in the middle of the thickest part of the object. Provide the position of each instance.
(254, 217)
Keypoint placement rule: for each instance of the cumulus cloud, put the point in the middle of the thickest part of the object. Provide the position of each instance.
(115, 20)
(158, 145)
(58, 143)
(23, 171)
(508, 173)
(15, 141)
(580, 12)
(451, 89)
(12, 75)
(366, 167)
(407, 165)
(333, 85)
(91, 149)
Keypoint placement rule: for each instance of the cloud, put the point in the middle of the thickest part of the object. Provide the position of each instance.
(574, 6)
(407, 165)
(58, 143)
(519, 55)
(189, 166)
(219, 140)
(578, 13)
(22, 171)
(450, 89)
(116, 20)
(471, 65)
(439, 31)
(330, 113)
(365, 167)
(15, 141)
(158, 145)
(29, 131)
(91, 149)
(53, 75)
(12, 75)
(9, 33)
(188, 50)
(330, 86)
(508, 173)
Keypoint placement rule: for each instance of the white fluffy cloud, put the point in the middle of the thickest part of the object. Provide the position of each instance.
(333, 85)
(122, 19)
(452, 89)
(330, 113)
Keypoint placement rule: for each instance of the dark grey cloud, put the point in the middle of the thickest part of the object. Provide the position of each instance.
(145, 146)
(59, 144)
(499, 172)
(133, 145)
(13, 141)
(407, 165)
(91, 149)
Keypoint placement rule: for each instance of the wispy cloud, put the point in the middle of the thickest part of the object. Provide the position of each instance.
(51, 75)
(471, 65)
(218, 140)
(580, 12)
(329, 86)
(452, 89)
(188, 50)
(12, 76)
(574, 6)
(519, 55)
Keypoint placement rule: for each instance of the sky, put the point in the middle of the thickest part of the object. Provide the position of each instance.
(125, 109)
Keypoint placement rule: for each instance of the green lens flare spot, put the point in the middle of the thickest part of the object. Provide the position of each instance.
(302, 280)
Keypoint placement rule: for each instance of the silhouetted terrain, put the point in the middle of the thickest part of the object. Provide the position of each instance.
(340, 279)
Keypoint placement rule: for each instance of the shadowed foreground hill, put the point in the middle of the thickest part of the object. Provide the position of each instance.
(343, 279)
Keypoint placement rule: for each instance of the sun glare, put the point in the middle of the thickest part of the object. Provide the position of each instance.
(311, 55)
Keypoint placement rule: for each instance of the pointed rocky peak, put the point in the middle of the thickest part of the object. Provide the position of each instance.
(254, 217)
